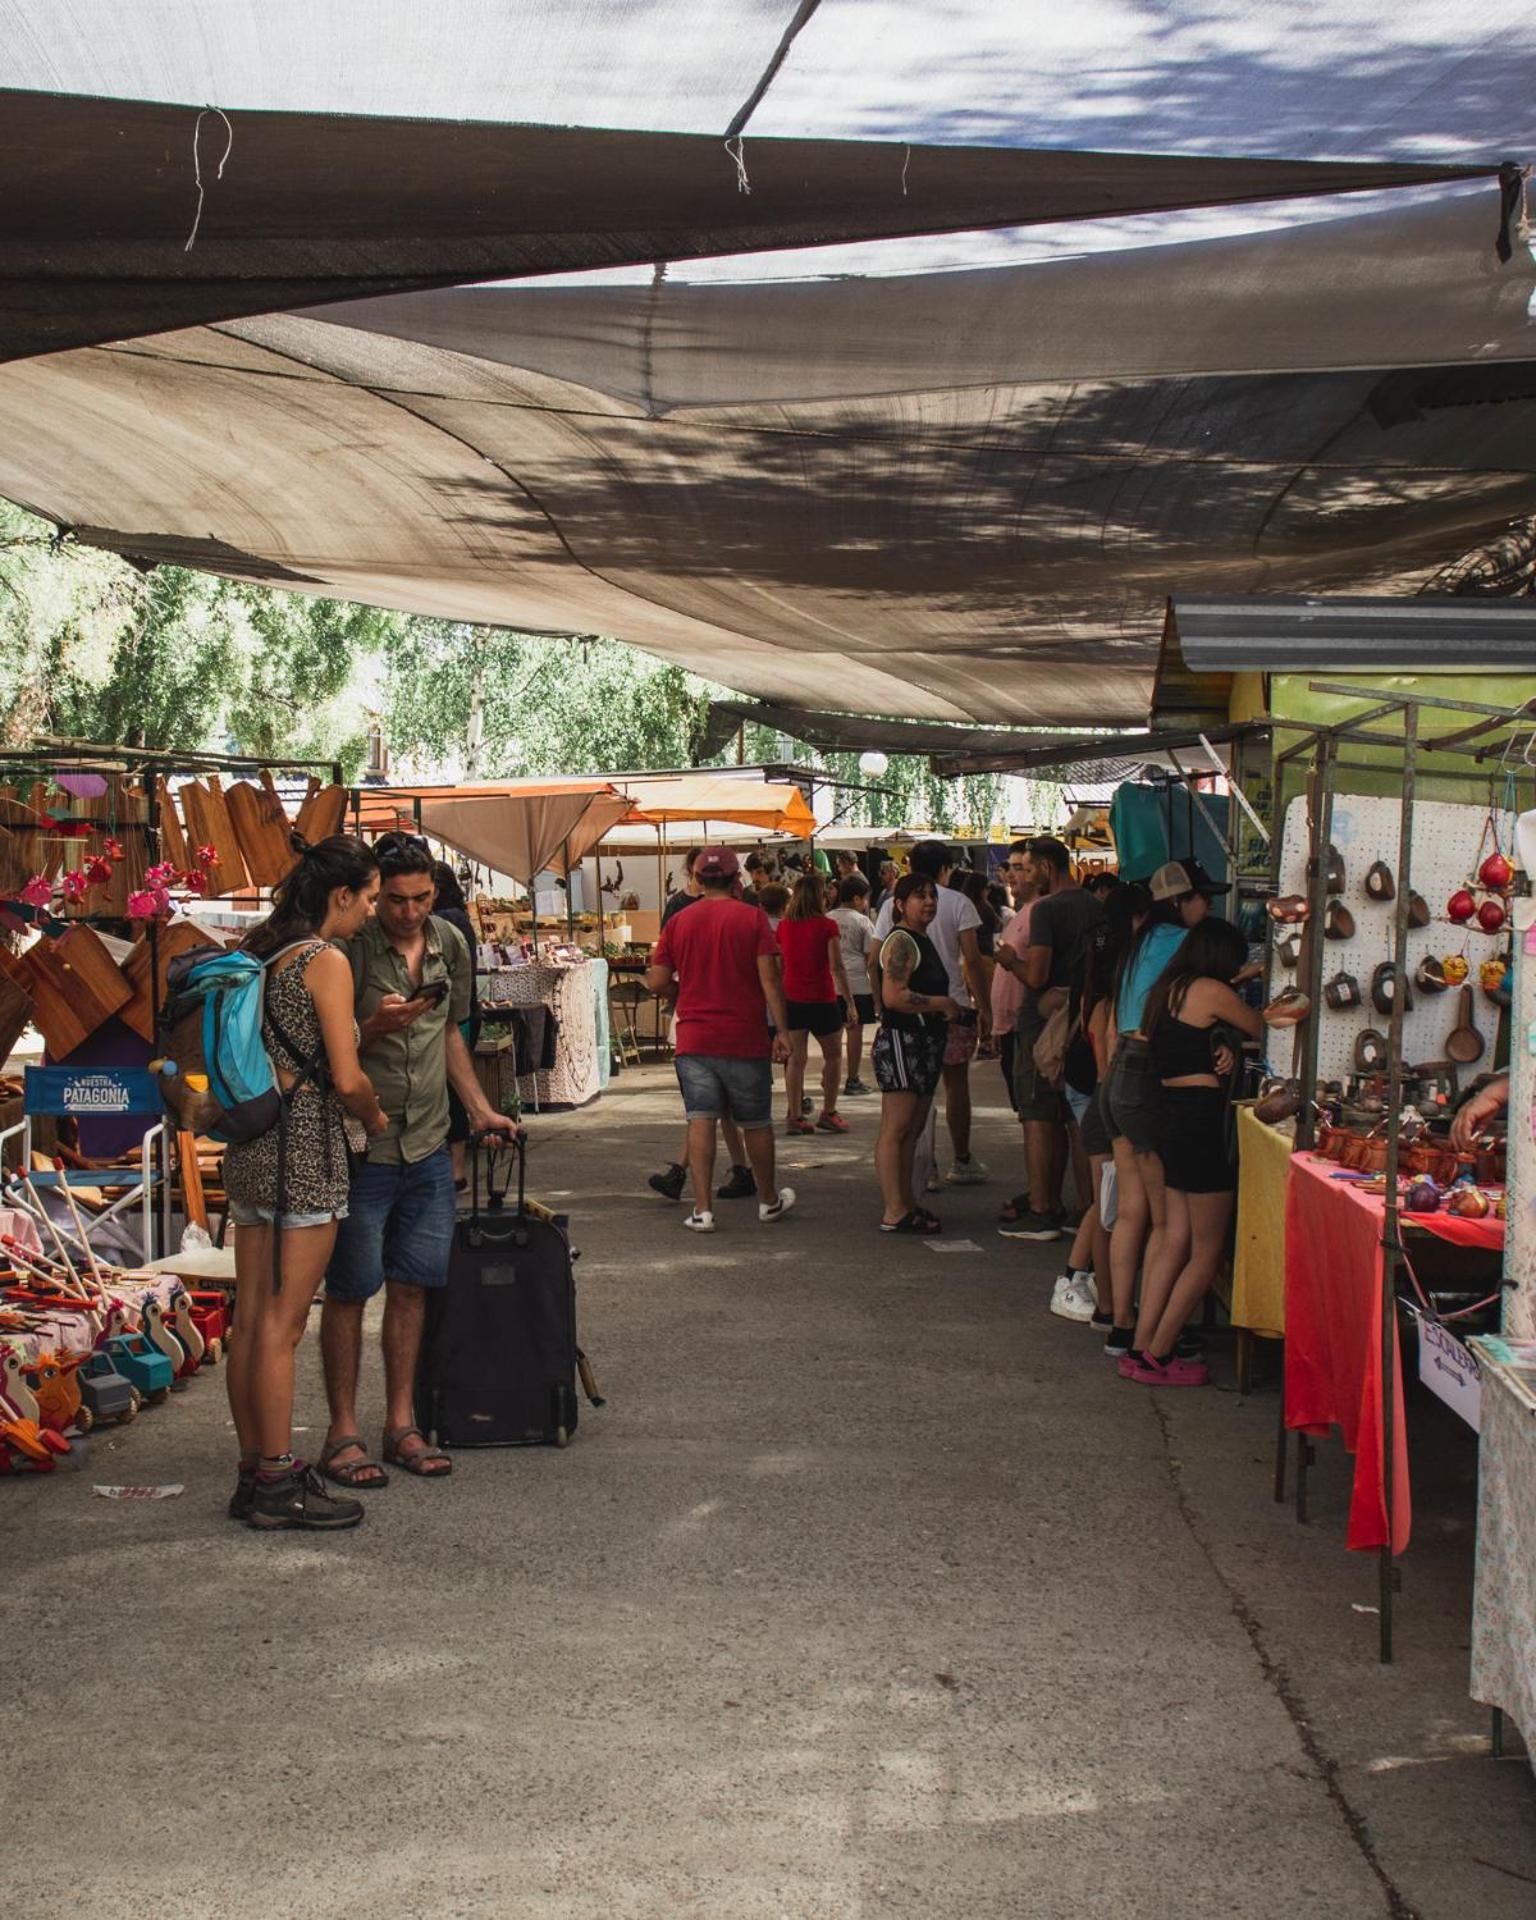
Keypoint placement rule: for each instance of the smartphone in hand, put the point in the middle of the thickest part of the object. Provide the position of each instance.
(432, 991)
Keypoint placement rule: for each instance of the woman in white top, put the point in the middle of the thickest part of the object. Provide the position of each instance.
(856, 935)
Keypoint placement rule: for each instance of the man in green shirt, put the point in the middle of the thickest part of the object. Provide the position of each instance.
(412, 975)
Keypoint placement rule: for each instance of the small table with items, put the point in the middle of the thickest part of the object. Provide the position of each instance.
(1333, 1328)
(540, 1030)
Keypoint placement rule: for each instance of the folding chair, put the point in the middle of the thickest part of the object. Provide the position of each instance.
(96, 1093)
(625, 998)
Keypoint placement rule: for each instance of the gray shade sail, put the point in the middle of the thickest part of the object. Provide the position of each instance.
(914, 539)
(125, 218)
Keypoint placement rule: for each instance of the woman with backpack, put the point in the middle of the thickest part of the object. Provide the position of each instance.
(310, 1035)
(1189, 1004)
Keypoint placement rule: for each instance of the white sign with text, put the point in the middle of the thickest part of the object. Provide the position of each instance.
(1449, 1369)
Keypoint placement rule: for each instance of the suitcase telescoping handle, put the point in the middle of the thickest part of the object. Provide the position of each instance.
(496, 1145)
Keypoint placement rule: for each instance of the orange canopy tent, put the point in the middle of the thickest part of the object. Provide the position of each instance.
(723, 799)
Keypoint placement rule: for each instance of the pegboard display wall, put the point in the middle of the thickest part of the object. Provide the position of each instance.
(1445, 857)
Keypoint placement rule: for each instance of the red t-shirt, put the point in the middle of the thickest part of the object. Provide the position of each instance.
(807, 958)
(713, 949)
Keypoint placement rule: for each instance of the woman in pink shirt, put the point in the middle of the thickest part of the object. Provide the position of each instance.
(819, 1001)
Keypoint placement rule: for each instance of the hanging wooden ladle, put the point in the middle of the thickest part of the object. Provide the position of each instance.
(1464, 1043)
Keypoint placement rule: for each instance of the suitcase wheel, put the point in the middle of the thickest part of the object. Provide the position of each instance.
(562, 1438)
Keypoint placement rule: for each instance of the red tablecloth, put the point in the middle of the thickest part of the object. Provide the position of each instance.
(1487, 1233)
(1333, 1375)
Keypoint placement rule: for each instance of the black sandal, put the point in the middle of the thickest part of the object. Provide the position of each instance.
(908, 1223)
(345, 1474)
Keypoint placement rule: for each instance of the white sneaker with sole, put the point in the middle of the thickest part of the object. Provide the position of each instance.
(1071, 1299)
(697, 1222)
(780, 1207)
(967, 1173)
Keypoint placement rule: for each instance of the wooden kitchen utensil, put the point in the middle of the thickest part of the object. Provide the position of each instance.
(209, 825)
(322, 814)
(173, 839)
(1464, 1043)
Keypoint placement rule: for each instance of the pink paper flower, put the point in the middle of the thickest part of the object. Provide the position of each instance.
(195, 882)
(98, 871)
(113, 849)
(38, 892)
(75, 884)
(143, 906)
(207, 856)
(162, 876)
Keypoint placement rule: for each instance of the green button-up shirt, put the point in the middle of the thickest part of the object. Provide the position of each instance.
(409, 1069)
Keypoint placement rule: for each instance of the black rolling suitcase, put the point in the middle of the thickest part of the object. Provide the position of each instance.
(499, 1359)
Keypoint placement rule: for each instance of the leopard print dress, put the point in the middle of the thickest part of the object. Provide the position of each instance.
(319, 1128)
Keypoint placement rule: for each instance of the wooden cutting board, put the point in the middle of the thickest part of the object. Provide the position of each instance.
(209, 824)
(76, 985)
(322, 814)
(263, 831)
(15, 1012)
(173, 841)
(121, 812)
(140, 1011)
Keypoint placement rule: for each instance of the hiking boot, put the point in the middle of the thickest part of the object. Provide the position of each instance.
(669, 1184)
(739, 1185)
(856, 1087)
(244, 1495)
(299, 1499)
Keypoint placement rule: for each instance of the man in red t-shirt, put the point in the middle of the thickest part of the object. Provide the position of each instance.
(721, 962)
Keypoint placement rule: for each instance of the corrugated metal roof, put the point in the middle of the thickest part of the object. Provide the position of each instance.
(1260, 633)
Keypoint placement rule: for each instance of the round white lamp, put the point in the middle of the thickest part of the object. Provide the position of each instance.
(872, 765)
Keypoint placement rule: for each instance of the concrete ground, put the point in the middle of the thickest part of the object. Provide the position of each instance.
(872, 1594)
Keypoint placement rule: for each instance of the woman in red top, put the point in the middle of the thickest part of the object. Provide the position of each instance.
(816, 990)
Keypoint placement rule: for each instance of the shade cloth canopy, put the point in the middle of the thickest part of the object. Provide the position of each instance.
(522, 828)
(126, 218)
(937, 535)
(934, 495)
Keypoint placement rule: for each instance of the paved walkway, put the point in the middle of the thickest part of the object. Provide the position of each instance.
(871, 1595)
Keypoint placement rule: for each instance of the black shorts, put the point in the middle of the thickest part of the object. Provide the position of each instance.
(1192, 1143)
(864, 1007)
(908, 1061)
(819, 1017)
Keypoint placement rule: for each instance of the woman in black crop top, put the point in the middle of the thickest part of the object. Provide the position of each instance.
(1189, 1000)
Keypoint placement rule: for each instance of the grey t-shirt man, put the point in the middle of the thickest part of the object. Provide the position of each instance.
(1062, 922)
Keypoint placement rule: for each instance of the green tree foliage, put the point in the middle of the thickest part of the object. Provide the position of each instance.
(96, 649)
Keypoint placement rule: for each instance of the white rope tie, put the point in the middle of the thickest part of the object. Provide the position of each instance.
(737, 150)
(197, 165)
(906, 162)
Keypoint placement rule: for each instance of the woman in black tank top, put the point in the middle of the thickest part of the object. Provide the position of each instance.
(908, 1055)
(1189, 1000)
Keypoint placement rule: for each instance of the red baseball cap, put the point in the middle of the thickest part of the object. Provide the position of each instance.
(717, 863)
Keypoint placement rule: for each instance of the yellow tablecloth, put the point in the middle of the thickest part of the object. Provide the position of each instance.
(1258, 1268)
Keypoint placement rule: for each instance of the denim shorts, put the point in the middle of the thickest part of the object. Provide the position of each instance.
(241, 1215)
(399, 1227)
(722, 1086)
(1133, 1097)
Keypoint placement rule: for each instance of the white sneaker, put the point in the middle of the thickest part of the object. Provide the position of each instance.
(967, 1173)
(780, 1207)
(698, 1222)
(1071, 1299)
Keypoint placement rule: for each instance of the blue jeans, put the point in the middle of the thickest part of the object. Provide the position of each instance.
(399, 1226)
(716, 1084)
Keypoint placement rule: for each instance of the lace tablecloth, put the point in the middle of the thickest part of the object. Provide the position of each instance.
(1504, 1599)
(568, 993)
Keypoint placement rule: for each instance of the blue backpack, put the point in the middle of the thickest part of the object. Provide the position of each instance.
(216, 1076)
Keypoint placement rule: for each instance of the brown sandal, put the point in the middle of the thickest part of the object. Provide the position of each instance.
(424, 1462)
(345, 1474)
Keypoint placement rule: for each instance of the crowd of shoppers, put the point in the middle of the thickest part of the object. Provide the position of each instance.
(1115, 1014)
